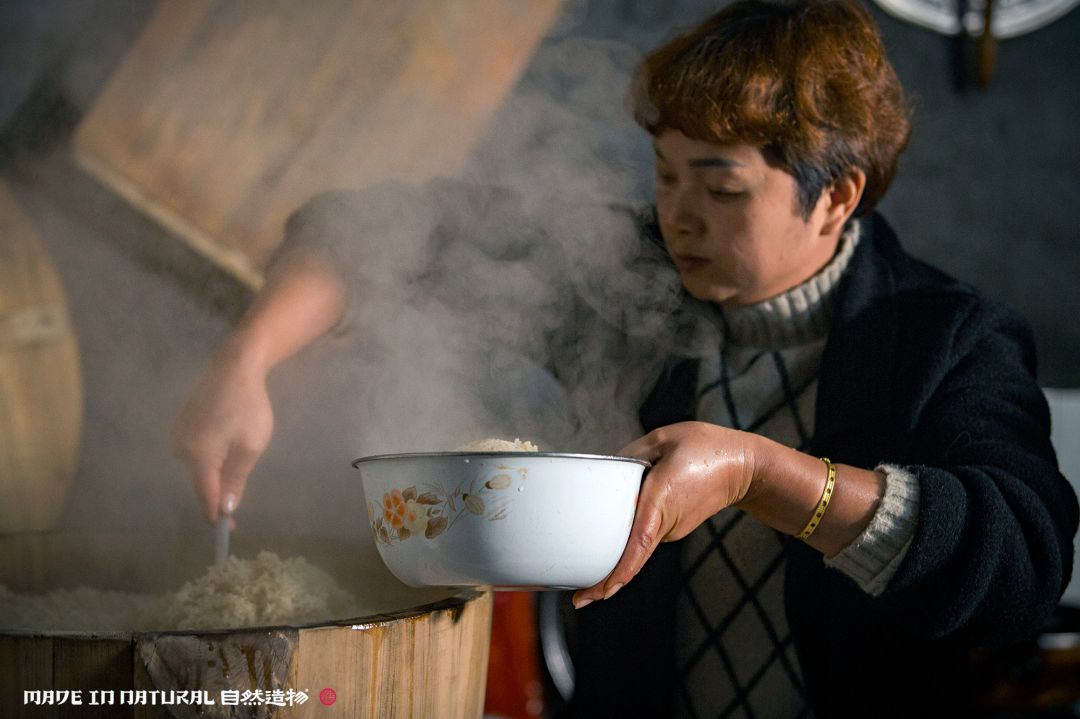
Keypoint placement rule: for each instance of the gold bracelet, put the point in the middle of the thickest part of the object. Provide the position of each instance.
(823, 503)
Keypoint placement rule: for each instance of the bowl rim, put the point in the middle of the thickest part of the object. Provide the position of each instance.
(492, 455)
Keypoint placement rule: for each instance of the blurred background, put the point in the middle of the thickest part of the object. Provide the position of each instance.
(150, 152)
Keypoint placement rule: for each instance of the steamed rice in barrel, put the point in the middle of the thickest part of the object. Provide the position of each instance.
(264, 591)
(80, 609)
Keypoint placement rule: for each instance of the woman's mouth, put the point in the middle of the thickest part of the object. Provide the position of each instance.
(689, 263)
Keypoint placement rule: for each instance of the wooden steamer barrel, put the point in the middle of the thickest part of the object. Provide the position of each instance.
(428, 659)
(40, 382)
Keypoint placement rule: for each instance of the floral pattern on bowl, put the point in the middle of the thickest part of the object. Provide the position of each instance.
(409, 512)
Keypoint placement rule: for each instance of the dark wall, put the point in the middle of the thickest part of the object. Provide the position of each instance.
(989, 188)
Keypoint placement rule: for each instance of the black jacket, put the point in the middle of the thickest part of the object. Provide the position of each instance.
(920, 371)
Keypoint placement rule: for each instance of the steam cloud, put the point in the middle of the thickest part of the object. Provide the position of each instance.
(450, 341)
(521, 301)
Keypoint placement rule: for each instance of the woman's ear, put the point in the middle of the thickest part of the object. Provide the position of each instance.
(842, 198)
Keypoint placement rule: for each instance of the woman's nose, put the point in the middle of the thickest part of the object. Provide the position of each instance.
(685, 213)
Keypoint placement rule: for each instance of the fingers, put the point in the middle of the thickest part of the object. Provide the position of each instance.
(647, 532)
(208, 488)
(220, 484)
(647, 447)
(690, 478)
(234, 473)
(204, 464)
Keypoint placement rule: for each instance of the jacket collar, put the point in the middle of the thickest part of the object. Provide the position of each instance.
(857, 368)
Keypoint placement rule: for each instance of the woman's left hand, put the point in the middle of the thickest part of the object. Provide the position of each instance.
(698, 469)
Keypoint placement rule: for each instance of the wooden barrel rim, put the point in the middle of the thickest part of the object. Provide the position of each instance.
(454, 604)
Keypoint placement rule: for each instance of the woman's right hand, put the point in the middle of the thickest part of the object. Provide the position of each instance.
(223, 430)
(226, 424)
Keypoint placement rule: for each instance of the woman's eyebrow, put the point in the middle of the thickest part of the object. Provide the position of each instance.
(713, 162)
(703, 161)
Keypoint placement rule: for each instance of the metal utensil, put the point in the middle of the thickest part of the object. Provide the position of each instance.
(221, 538)
(223, 529)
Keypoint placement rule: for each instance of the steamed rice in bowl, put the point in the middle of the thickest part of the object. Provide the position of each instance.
(499, 445)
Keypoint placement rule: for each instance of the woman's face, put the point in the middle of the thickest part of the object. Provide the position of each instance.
(731, 221)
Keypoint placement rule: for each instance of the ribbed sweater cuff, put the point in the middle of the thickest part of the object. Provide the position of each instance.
(875, 555)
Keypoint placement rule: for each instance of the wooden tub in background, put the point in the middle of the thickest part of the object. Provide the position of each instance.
(420, 653)
(41, 392)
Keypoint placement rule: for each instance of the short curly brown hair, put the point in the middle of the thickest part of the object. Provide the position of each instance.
(806, 80)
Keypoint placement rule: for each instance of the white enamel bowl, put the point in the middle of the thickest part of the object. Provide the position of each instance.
(506, 519)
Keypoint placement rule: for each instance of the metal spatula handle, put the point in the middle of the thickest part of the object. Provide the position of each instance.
(221, 538)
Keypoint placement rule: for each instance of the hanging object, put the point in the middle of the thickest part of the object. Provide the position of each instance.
(985, 20)
(1009, 17)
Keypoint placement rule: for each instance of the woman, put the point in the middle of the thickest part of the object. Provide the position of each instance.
(942, 523)
(855, 484)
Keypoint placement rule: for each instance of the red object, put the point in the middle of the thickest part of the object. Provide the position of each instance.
(513, 680)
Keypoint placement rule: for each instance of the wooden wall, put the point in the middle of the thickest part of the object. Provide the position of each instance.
(224, 117)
